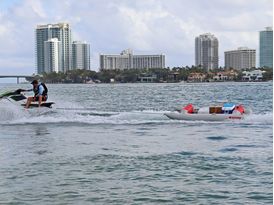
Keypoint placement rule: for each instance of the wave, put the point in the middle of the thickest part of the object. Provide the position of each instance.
(12, 114)
(265, 118)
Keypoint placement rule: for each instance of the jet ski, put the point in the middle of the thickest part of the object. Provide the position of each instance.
(17, 97)
(227, 111)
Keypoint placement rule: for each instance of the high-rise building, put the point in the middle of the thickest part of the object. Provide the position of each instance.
(62, 32)
(52, 55)
(240, 59)
(266, 48)
(80, 55)
(126, 60)
(206, 51)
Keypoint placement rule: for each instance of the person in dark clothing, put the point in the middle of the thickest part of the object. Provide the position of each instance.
(40, 93)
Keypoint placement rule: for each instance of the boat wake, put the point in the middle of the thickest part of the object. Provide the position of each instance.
(11, 114)
(265, 118)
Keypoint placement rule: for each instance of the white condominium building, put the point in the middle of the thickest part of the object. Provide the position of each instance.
(52, 55)
(62, 32)
(206, 51)
(241, 58)
(126, 60)
(80, 55)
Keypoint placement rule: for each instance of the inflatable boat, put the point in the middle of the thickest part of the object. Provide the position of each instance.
(227, 111)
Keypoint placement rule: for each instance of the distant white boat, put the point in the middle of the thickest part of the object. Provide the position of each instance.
(90, 82)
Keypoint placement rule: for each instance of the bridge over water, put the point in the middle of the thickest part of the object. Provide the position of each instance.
(17, 77)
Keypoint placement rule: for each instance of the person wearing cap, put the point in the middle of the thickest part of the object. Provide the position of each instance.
(40, 93)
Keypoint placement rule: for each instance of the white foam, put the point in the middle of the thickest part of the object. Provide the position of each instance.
(10, 111)
(265, 118)
(14, 114)
(80, 116)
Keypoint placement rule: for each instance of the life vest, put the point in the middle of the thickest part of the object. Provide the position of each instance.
(45, 92)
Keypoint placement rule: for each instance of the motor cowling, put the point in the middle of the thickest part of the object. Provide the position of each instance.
(189, 108)
(240, 109)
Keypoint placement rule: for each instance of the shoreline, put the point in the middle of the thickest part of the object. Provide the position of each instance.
(115, 83)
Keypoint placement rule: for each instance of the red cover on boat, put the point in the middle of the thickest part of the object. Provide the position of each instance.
(189, 108)
(240, 109)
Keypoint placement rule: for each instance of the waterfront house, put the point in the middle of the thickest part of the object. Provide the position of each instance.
(255, 75)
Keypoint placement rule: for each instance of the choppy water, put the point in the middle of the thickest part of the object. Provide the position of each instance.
(103, 144)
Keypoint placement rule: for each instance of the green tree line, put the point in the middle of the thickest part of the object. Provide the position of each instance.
(175, 74)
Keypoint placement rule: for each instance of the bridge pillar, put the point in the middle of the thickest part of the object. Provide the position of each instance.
(17, 80)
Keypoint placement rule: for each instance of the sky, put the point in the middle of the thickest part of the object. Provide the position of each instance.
(145, 26)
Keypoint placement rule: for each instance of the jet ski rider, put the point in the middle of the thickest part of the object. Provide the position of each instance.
(40, 93)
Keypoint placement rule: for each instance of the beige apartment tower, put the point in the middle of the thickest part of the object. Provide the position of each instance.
(241, 58)
(126, 60)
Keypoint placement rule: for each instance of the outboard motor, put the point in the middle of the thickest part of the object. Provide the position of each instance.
(189, 108)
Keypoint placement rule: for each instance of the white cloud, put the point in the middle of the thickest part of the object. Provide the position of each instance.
(37, 8)
(146, 26)
(3, 30)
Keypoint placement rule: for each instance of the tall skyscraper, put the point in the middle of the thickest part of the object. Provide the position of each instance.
(80, 55)
(240, 59)
(266, 48)
(206, 51)
(126, 60)
(52, 55)
(62, 32)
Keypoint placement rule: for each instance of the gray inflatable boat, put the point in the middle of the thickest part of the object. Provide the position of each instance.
(227, 111)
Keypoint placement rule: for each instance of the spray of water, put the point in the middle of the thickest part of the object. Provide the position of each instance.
(14, 114)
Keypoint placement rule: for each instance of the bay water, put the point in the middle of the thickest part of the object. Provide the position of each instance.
(112, 144)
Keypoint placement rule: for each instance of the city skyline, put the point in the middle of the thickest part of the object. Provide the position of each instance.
(144, 26)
